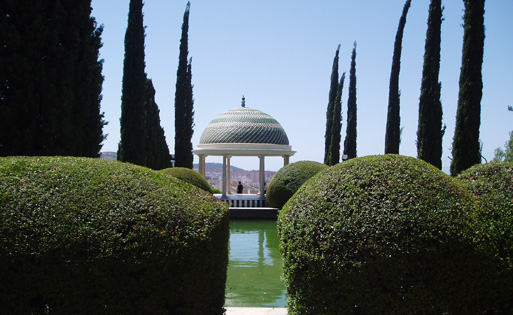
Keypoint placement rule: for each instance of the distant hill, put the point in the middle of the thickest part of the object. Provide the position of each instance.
(218, 167)
(210, 167)
(109, 155)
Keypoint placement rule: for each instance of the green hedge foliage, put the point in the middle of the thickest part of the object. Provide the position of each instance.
(89, 236)
(190, 176)
(492, 184)
(388, 235)
(288, 180)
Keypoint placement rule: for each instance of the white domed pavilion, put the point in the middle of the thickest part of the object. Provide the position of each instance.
(243, 131)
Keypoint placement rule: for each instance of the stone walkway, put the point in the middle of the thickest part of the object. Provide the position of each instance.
(255, 311)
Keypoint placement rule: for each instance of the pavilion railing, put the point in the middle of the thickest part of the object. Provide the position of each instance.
(243, 200)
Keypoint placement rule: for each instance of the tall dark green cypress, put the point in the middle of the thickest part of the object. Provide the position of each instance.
(157, 151)
(86, 80)
(334, 152)
(50, 78)
(24, 29)
(184, 114)
(331, 104)
(430, 131)
(350, 141)
(59, 84)
(189, 117)
(465, 147)
(393, 129)
(132, 143)
(89, 80)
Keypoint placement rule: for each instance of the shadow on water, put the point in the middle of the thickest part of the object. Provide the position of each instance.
(255, 267)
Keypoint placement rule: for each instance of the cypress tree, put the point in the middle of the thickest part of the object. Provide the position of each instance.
(329, 111)
(393, 129)
(89, 81)
(50, 78)
(465, 147)
(430, 131)
(23, 31)
(350, 141)
(183, 100)
(334, 152)
(58, 87)
(189, 119)
(132, 143)
(82, 35)
(157, 151)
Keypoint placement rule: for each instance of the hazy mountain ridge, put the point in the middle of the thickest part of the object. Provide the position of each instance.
(218, 167)
(210, 167)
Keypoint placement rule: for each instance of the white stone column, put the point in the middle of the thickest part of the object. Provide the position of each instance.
(223, 184)
(262, 176)
(286, 160)
(201, 167)
(228, 175)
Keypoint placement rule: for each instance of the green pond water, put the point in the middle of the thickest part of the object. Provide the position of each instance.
(255, 266)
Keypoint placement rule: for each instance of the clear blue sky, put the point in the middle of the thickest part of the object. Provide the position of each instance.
(279, 55)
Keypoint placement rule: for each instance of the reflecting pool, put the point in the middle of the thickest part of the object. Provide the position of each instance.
(255, 266)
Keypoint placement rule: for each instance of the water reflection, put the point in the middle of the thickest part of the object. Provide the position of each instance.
(255, 267)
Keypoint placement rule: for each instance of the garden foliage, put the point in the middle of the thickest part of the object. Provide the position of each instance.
(393, 128)
(184, 100)
(492, 184)
(389, 235)
(90, 236)
(351, 130)
(288, 180)
(133, 140)
(466, 148)
(190, 176)
(331, 116)
(430, 131)
(50, 78)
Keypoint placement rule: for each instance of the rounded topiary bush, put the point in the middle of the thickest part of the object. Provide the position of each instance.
(90, 236)
(188, 175)
(492, 184)
(288, 180)
(386, 235)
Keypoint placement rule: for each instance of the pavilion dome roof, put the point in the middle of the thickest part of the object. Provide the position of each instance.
(244, 125)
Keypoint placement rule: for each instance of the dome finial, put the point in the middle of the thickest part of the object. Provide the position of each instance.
(243, 104)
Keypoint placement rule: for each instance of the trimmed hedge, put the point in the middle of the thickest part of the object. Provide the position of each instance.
(492, 184)
(190, 176)
(90, 236)
(388, 235)
(288, 180)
